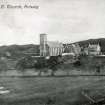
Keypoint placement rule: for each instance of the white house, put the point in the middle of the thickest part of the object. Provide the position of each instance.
(94, 49)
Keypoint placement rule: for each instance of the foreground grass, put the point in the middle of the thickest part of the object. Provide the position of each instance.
(51, 90)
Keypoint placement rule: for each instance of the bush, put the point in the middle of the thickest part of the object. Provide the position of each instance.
(77, 63)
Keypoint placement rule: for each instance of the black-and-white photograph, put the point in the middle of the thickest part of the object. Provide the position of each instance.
(52, 52)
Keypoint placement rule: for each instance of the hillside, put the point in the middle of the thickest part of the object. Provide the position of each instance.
(101, 42)
(15, 51)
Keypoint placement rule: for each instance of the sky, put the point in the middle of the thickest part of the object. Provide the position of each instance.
(66, 21)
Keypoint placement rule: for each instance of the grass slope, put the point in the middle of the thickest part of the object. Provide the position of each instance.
(51, 90)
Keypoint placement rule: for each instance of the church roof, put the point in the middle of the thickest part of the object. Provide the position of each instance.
(54, 44)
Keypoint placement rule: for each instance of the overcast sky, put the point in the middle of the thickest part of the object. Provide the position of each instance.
(63, 20)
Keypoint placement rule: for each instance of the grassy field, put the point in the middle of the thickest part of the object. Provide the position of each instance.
(51, 90)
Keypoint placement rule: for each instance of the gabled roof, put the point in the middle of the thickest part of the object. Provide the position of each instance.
(54, 44)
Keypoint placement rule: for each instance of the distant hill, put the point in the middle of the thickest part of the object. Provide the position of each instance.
(101, 42)
(17, 51)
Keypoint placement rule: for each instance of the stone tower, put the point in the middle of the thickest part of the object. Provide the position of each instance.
(43, 45)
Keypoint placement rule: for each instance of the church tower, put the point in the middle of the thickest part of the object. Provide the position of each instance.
(43, 44)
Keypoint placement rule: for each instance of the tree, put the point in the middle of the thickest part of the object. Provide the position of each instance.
(53, 63)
